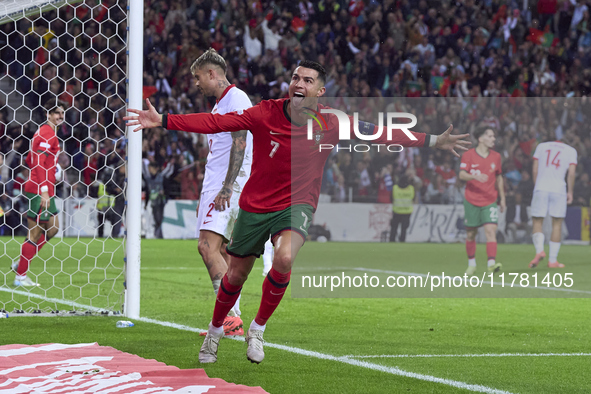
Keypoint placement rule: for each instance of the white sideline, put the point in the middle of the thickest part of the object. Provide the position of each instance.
(54, 300)
(471, 355)
(347, 360)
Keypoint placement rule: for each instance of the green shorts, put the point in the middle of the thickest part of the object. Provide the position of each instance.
(252, 230)
(35, 211)
(477, 216)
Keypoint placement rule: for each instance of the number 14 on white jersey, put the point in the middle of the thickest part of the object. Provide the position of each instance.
(553, 158)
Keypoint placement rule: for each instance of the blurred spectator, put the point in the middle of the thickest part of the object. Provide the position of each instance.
(116, 187)
(403, 197)
(582, 192)
(435, 189)
(385, 185)
(154, 177)
(190, 178)
(460, 51)
(362, 182)
(516, 219)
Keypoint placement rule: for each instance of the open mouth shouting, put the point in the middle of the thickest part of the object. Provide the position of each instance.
(298, 99)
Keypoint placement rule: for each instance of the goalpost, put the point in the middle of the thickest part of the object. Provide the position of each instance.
(87, 53)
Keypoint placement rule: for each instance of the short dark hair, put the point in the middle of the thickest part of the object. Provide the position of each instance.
(479, 132)
(51, 105)
(315, 66)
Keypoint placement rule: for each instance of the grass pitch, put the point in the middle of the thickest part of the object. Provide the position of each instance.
(349, 345)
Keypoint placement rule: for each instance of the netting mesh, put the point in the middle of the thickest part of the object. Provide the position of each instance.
(76, 54)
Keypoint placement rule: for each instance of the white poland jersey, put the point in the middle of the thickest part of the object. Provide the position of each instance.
(553, 158)
(220, 145)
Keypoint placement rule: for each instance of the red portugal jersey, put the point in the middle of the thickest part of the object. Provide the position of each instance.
(41, 160)
(478, 193)
(287, 167)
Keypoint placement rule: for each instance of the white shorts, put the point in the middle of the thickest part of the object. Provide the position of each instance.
(544, 202)
(220, 222)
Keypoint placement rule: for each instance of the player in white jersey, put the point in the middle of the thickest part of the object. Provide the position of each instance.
(226, 172)
(552, 162)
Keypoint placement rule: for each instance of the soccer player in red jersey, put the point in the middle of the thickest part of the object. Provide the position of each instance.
(39, 189)
(282, 192)
(481, 169)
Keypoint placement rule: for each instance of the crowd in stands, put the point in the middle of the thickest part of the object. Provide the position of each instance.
(519, 125)
(469, 51)
(465, 50)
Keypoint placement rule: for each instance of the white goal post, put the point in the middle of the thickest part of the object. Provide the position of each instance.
(87, 54)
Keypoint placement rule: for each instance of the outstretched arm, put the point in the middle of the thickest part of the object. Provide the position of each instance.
(194, 123)
(236, 159)
(144, 119)
(447, 141)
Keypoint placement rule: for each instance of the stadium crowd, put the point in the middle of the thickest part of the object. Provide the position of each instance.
(464, 50)
(470, 51)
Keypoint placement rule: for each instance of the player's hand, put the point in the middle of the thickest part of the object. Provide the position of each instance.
(569, 198)
(145, 119)
(45, 201)
(222, 199)
(447, 141)
(502, 205)
(481, 177)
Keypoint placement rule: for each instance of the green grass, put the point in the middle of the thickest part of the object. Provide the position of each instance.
(86, 271)
(176, 288)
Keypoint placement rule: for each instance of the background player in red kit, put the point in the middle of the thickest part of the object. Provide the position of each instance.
(40, 191)
(282, 193)
(481, 168)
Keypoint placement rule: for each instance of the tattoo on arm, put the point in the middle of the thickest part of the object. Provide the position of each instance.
(236, 159)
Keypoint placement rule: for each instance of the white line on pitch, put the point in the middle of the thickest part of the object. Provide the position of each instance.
(54, 300)
(471, 355)
(343, 359)
(168, 268)
(347, 360)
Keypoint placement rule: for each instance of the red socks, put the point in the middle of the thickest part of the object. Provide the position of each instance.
(227, 296)
(471, 249)
(28, 251)
(491, 250)
(274, 287)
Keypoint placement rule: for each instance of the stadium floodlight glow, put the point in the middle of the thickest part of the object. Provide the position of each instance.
(80, 55)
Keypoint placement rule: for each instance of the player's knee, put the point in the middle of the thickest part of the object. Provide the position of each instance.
(491, 235)
(51, 233)
(204, 249)
(282, 262)
(237, 275)
(34, 237)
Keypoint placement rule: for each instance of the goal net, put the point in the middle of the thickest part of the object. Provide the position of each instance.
(73, 51)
